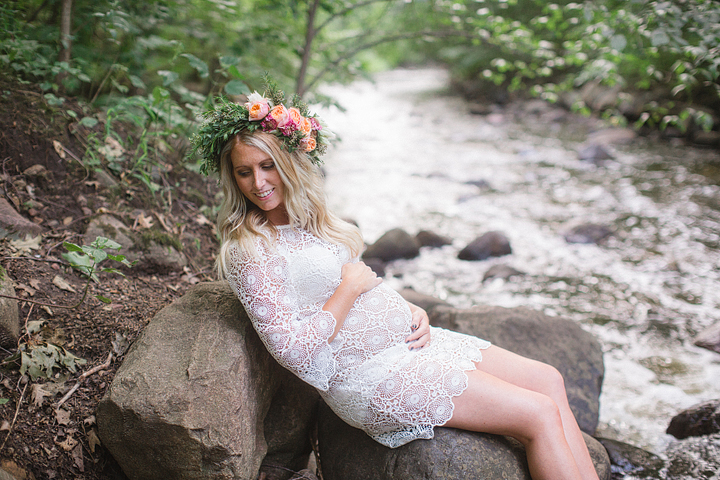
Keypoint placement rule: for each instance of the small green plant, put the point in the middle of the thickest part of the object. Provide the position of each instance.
(86, 260)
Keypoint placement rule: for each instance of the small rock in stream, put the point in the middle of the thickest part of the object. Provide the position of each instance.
(628, 460)
(709, 338)
(502, 271)
(594, 153)
(393, 245)
(491, 244)
(696, 421)
(430, 239)
(694, 458)
(612, 136)
(482, 184)
(587, 233)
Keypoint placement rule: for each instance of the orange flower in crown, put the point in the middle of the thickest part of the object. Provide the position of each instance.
(308, 143)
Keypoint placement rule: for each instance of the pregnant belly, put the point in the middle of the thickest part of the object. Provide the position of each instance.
(379, 319)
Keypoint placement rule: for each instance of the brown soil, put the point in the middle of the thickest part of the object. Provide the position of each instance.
(35, 440)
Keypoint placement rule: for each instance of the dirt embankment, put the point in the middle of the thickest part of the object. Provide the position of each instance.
(45, 181)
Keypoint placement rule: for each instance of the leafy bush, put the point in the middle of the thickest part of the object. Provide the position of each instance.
(667, 48)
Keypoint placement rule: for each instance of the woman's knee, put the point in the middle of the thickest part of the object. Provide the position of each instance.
(546, 420)
(551, 382)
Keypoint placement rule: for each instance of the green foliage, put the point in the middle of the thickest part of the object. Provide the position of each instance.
(87, 259)
(666, 48)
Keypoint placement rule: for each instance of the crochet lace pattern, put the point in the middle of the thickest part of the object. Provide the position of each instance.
(367, 374)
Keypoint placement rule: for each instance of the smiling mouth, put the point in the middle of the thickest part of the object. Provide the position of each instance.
(265, 194)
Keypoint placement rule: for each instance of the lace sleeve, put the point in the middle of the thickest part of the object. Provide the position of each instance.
(295, 335)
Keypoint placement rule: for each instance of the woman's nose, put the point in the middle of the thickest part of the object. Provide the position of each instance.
(258, 180)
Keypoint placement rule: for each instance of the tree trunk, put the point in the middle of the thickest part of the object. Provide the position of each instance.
(65, 31)
(307, 49)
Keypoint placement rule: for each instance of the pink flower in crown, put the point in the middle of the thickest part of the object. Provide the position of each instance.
(315, 124)
(258, 107)
(277, 117)
(293, 123)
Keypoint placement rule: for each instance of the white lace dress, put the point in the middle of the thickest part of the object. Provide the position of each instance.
(367, 374)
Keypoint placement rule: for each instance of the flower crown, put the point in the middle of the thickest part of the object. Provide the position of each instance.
(296, 128)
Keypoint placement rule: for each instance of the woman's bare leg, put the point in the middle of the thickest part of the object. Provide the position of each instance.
(543, 378)
(512, 395)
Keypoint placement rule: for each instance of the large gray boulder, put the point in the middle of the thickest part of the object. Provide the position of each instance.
(199, 397)
(347, 453)
(557, 341)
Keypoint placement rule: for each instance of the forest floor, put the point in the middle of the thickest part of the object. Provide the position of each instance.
(37, 439)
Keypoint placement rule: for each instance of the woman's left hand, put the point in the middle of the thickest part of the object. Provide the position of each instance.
(420, 327)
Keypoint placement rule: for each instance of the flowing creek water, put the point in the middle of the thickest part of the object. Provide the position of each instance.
(411, 156)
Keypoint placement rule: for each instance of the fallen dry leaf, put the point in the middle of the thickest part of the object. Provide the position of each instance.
(59, 149)
(68, 444)
(203, 220)
(67, 221)
(62, 284)
(62, 416)
(36, 170)
(34, 283)
(30, 291)
(93, 440)
(39, 394)
(163, 222)
(77, 455)
(142, 221)
(13, 469)
(26, 245)
(5, 426)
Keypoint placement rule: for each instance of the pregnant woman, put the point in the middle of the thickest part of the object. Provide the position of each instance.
(326, 317)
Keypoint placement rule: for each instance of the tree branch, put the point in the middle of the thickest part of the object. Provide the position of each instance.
(380, 41)
(82, 377)
(347, 10)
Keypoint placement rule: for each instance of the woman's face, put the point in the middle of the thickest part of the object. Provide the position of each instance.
(257, 177)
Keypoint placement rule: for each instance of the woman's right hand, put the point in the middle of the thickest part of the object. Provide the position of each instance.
(357, 278)
(360, 277)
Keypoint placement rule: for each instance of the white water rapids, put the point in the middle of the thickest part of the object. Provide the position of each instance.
(407, 154)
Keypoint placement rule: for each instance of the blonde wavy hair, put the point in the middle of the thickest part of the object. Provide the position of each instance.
(241, 220)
